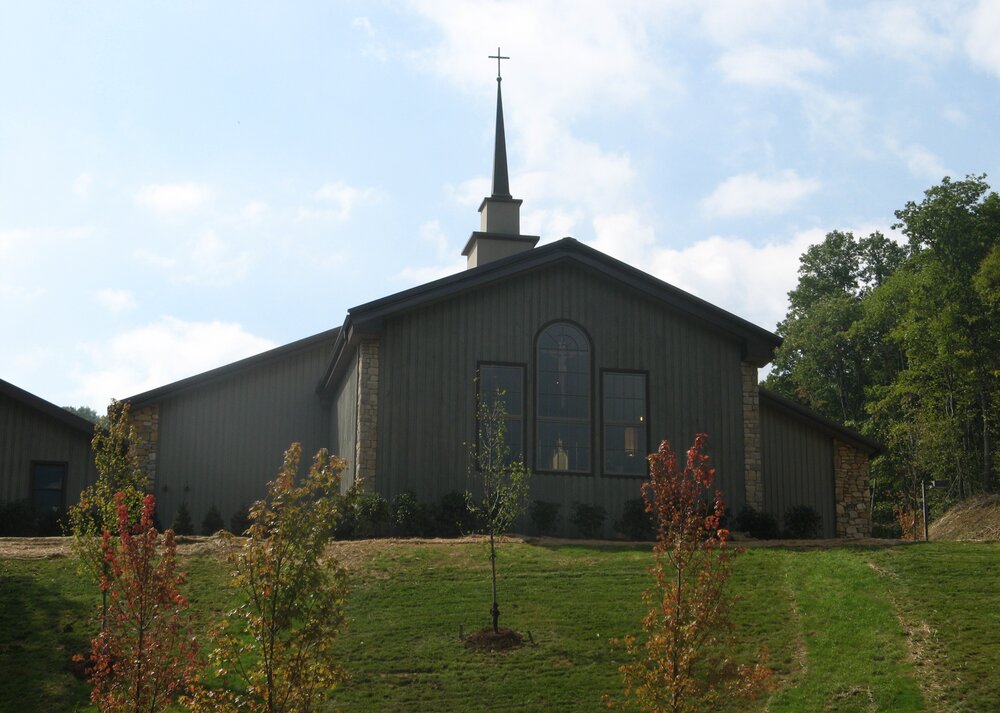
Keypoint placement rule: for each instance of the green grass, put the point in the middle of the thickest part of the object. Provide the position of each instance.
(902, 629)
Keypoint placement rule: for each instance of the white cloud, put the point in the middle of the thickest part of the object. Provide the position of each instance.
(920, 162)
(206, 258)
(751, 194)
(83, 184)
(448, 261)
(728, 22)
(342, 198)
(748, 280)
(761, 66)
(955, 115)
(170, 198)
(116, 300)
(159, 353)
(984, 28)
(623, 236)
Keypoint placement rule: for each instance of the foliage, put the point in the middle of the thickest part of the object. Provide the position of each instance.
(183, 524)
(212, 522)
(240, 522)
(802, 522)
(145, 655)
(89, 414)
(279, 643)
(18, 518)
(682, 662)
(635, 522)
(544, 515)
(118, 471)
(759, 525)
(903, 341)
(367, 514)
(588, 519)
(451, 517)
(407, 515)
(501, 481)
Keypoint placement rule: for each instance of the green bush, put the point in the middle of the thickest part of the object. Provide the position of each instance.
(544, 516)
(367, 516)
(183, 524)
(17, 518)
(407, 516)
(802, 522)
(588, 519)
(635, 523)
(759, 525)
(212, 521)
(451, 517)
(239, 523)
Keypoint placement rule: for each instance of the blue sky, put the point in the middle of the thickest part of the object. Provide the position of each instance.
(186, 184)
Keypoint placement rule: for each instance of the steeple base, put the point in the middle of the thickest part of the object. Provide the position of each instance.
(487, 247)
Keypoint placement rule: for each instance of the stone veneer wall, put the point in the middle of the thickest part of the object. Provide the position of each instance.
(146, 422)
(366, 442)
(751, 439)
(850, 481)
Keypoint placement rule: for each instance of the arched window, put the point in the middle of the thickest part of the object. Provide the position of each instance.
(563, 400)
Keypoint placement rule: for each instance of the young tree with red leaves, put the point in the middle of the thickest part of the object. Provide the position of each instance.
(683, 660)
(144, 655)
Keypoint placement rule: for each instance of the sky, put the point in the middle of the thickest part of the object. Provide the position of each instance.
(184, 184)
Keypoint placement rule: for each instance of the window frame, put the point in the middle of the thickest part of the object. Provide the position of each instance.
(62, 489)
(590, 400)
(524, 402)
(645, 373)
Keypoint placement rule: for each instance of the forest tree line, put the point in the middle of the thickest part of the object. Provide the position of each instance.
(901, 341)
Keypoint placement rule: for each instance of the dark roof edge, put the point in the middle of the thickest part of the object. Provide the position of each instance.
(47, 407)
(229, 369)
(872, 448)
(533, 239)
(338, 349)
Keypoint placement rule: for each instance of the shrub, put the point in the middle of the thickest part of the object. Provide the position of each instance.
(407, 515)
(364, 516)
(212, 521)
(682, 662)
(635, 523)
(451, 516)
(544, 516)
(239, 523)
(17, 518)
(183, 525)
(278, 644)
(588, 519)
(802, 522)
(144, 655)
(758, 524)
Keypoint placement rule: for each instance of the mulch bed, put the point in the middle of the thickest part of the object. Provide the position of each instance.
(487, 640)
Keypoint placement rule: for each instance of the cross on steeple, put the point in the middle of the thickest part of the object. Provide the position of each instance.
(498, 57)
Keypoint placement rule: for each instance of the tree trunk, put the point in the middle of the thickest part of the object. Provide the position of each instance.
(493, 566)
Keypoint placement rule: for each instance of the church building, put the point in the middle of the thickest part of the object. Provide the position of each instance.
(599, 362)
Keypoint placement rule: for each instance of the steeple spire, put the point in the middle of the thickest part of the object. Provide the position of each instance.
(501, 183)
(499, 233)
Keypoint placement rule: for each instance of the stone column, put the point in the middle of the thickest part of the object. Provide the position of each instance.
(751, 439)
(850, 481)
(146, 422)
(366, 436)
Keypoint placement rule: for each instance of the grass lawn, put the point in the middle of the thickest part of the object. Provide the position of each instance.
(911, 628)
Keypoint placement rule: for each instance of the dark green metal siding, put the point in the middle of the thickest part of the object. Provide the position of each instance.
(27, 435)
(428, 359)
(224, 440)
(797, 466)
(344, 421)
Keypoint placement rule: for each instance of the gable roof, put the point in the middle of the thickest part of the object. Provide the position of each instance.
(207, 377)
(366, 318)
(829, 426)
(46, 407)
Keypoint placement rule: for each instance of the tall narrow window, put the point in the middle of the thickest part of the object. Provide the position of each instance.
(563, 400)
(507, 379)
(625, 422)
(48, 486)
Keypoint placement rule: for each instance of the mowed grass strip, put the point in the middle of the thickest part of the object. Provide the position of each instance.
(827, 618)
